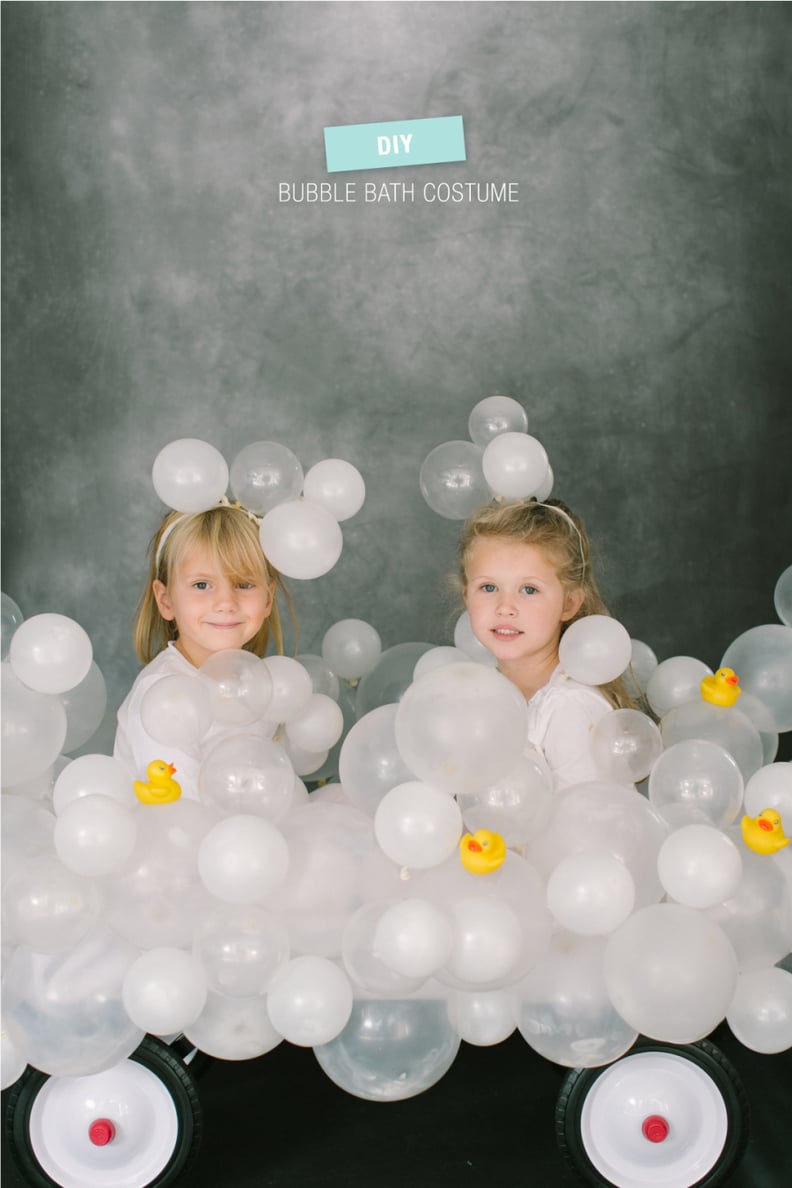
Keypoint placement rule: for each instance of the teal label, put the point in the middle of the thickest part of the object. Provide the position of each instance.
(397, 142)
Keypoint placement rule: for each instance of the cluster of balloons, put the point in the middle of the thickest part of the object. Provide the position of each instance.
(500, 459)
(300, 513)
(345, 920)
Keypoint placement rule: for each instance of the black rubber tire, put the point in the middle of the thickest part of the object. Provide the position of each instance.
(154, 1056)
(709, 1058)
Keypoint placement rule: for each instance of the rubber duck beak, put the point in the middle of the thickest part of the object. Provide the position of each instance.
(474, 846)
(171, 769)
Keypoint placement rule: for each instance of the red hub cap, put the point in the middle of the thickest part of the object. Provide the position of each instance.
(101, 1132)
(655, 1128)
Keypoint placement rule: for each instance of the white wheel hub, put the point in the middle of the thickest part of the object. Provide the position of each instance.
(654, 1120)
(115, 1129)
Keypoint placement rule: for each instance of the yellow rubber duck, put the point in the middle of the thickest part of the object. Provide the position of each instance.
(765, 833)
(721, 689)
(482, 852)
(161, 788)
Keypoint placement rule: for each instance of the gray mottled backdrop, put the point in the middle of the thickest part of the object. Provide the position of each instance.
(636, 300)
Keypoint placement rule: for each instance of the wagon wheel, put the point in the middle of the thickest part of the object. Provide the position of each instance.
(661, 1116)
(136, 1124)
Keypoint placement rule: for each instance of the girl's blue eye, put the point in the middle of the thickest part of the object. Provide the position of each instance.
(245, 585)
(529, 589)
(200, 585)
(488, 587)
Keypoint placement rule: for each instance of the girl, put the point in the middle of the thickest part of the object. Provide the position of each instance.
(526, 575)
(210, 588)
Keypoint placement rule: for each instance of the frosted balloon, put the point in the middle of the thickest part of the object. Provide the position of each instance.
(240, 949)
(12, 1060)
(760, 1014)
(318, 727)
(699, 775)
(483, 1017)
(363, 961)
(47, 906)
(234, 1028)
(437, 658)
(66, 1010)
(591, 893)
(390, 677)
(177, 710)
(164, 991)
(264, 474)
(94, 835)
(93, 775)
(190, 475)
(758, 917)
(351, 648)
(239, 685)
(563, 1010)
(27, 831)
(242, 859)
(370, 763)
(33, 730)
(417, 825)
(770, 787)
(675, 682)
(643, 663)
(461, 727)
(495, 415)
(305, 763)
(337, 486)
(466, 641)
(488, 942)
(310, 1001)
(545, 488)
(323, 679)
(699, 866)
(714, 723)
(246, 773)
(626, 744)
(50, 653)
(762, 659)
(452, 480)
(291, 687)
(670, 973)
(10, 618)
(782, 597)
(85, 707)
(595, 650)
(302, 539)
(515, 465)
(415, 1045)
(414, 937)
(518, 806)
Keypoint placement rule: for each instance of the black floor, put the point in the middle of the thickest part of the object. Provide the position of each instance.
(279, 1122)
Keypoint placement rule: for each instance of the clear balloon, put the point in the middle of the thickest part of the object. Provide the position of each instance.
(239, 685)
(310, 1001)
(302, 539)
(699, 866)
(488, 943)
(518, 806)
(670, 973)
(336, 485)
(85, 707)
(50, 653)
(466, 641)
(760, 1014)
(757, 918)
(234, 1028)
(305, 763)
(495, 415)
(595, 650)
(461, 727)
(515, 465)
(322, 677)
(291, 687)
(248, 774)
(242, 859)
(34, 730)
(93, 775)
(414, 938)
(700, 775)
(452, 480)
(482, 1017)
(164, 991)
(714, 723)
(391, 1050)
(12, 1060)
(95, 835)
(264, 474)
(28, 830)
(417, 825)
(563, 1010)
(240, 949)
(10, 618)
(762, 659)
(643, 663)
(782, 597)
(177, 711)
(626, 744)
(369, 762)
(318, 727)
(391, 676)
(770, 787)
(675, 682)
(437, 658)
(47, 906)
(363, 962)
(591, 894)
(190, 475)
(351, 648)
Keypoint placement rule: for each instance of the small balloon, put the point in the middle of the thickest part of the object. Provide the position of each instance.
(762, 659)
(264, 474)
(240, 948)
(351, 648)
(643, 663)
(626, 745)
(11, 616)
(50, 653)
(415, 938)
(482, 1017)
(675, 682)
(164, 991)
(177, 710)
(452, 480)
(699, 775)
(337, 486)
(291, 687)
(466, 642)
(770, 787)
(89, 775)
(760, 1014)
(590, 894)
(436, 658)
(417, 825)
(95, 835)
(495, 415)
(318, 727)
(782, 597)
(595, 650)
(239, 685)
(515, 465)
(302, 539)
(242, 859)
(310, 1001)
(699, 866)
(189, 475)
(323, 679)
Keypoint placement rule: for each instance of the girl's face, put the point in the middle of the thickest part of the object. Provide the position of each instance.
(212, 612)
(516, 601)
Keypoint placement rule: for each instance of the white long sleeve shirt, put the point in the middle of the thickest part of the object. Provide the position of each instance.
(561, 717)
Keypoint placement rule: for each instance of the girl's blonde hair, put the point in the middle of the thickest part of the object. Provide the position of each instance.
(231, 538)
(560, 534)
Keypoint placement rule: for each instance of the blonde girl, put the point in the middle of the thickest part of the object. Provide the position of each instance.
(526, 574)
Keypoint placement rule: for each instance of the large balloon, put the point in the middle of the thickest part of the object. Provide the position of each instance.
(337, 486)
(725, 726)
(625, 744)
(34, 730)
(699, 866)
(417, 825)
(164, 991)
(190, 475)
(762, 659)
(461, 727)
(674, 682)
(369, 762)
(760, 1014)
(302, 539)
(591, 893)
(264, 474)
(309, 1001)
(782, 596)
(95, 835)
(318, 727)
(495, 415)
(452, 481)
(595, 650)
(770, 787)
(47, 906)
(351, 647)
(390, 677)
(515, 465)
(234, 1028)
(670, 973)
(85, 707)
(239, 684)
(242, 859)
(177, 710)
(698, 775)
(241, 948)
(50, 653)
(757, 918)
(363, 961)
(248, 774)
(518, 806)
(414, 938)
(89, 775)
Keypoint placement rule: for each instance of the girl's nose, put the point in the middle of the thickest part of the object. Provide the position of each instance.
(506, 607)
(226, 593)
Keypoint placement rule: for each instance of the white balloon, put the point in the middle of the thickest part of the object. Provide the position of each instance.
(264, 474)
(699, 866)
(488, 942)
(770, 787)
(760, 1014)
(94, 835)
(239, 684)
(675, 682)
(414, 937)
(302, 539)
(89, 775)
(177, 710)
(626, 744)
(595, 649)
(234, 1028)
(190, 475)
(417, 825)
(310, 1001)
(242, 859)
(291, 687)
(591, 893)
(34, 730)
(50, 653)
(318, 727)
(437, 658)
(85, 707)
(482, 1017)
(164, 991)
(466, 642)
(515, 465)
(496, 415)
(337, 486)
(351, 648)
